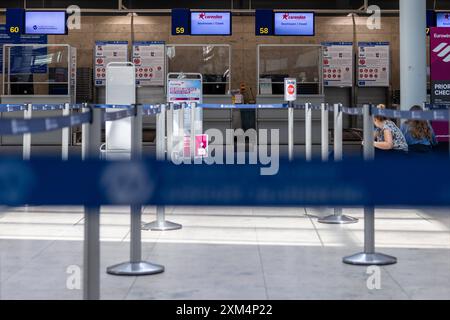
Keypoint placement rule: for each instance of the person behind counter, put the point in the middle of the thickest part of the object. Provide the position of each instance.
(418, 134)
(387, 135)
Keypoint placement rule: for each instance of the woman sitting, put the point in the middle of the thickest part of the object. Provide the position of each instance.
(387, 135)
(419, 134)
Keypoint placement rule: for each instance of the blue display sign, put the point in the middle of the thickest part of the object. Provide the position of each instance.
(45, 22)
(25, 59)
(294, 24)
(443, 19)
(181, 22)
(264, 22)
(210, 23)
(14, 20)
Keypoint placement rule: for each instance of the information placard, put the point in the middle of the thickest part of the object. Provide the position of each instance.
(337, 64)
(149, 59)
(373, 64)
(106, 52)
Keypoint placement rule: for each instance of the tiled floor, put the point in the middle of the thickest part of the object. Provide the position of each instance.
(227, 253)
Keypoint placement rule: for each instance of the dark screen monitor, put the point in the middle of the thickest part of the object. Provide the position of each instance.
(23, 86)
(214, 84)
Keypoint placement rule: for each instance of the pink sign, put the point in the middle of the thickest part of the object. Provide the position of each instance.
(201, 145)
(440, 75)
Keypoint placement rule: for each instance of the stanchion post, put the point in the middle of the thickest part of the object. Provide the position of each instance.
(170, 113)
(161, 224)
(135, 266)
(91, 264)
(337, 217)
(369, 256)
(65, 135)
(192, 136)
(26, 148)
(308, 128)
(324, 136)
(290, 130)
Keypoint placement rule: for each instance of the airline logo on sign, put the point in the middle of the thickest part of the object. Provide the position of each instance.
(443, 51)
(287, 16)
(290, 89)
(204, 16)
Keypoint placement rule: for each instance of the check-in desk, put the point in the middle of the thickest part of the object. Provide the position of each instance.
(278, 119)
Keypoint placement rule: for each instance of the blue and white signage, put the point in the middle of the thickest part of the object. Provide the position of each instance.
(373, 64)
(45, 22)
(443, 19)
(294, 23)
(337, 64)
(210, 23)
(106, 52)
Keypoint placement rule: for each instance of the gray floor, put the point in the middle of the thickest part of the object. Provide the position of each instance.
(227, 253)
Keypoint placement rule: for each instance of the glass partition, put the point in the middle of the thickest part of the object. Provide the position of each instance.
(276, 62)
(30, 69)
(212, 61)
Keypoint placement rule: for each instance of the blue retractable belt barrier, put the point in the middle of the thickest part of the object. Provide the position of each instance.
(347, 183)
(11, 107)
(242, 106)
(435, 115)
(111, 106)
(117, 115)
(23, 126)
(352, 111)
(45, 107)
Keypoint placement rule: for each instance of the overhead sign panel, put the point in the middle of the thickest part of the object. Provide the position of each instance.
(443, 19)
(181, 22)
(294, 24)
(264, 22)
(45, 22)
(210, 23)
(14, 20)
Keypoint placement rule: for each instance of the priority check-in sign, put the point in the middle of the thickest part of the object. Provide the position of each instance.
(290, 89)
(440, 65)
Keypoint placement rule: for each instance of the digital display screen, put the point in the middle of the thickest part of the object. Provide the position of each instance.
(443, 19)
(294, 23)
(210, 23)
(45, 22)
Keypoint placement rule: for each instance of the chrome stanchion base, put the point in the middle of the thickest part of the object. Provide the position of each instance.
(161, 226)
(370, 259)
(338, 219)
(135, 269)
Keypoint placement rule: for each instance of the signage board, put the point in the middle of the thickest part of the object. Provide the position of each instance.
(440, 75)
(46, 22)
(264, 22)
(185, 89)
(210, 23)
(443, 19)
(23, 59)
(14, 20)
(106, 52)
(181, 22)
(337, 64)
(373, 64)
(290, 89)
(149, 59)
(294, 24)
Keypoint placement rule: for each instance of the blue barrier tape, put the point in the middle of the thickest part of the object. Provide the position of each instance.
(12, 107)
(437, 106)
(45, 107)
(150, 112)
(37, 125)
(111, 106)
(427, 115)
(345, 183)
(352, 111)
(117, 115)
(243, 106)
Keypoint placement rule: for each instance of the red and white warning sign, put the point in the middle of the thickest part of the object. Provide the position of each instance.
(290, 89)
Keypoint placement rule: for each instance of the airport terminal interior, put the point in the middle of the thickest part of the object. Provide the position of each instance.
(191, 80)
